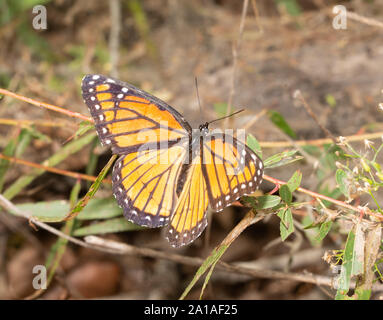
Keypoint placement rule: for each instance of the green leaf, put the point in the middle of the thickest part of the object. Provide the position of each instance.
(285, 194)
(353, 261)
(262, 202)
(101, 208)
(254, 145)
(49, 211)
(281, 159)
(341, 180)
(295, 181)
(24, 139)
(46, 211)
(108, 226)
(209, 262)
(279, 121)
(286, 225)
(324, 229)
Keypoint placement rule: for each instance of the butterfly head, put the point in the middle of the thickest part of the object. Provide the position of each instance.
(204, 128)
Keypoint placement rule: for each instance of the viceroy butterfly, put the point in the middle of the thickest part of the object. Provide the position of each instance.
(167, 174)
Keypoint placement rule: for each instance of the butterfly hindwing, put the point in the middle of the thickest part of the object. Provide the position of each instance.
(127, 117)
(189, 217)
(143, 184)
(231, 170)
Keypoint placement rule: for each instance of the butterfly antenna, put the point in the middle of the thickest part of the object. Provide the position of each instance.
(199, 102)
(227, 116)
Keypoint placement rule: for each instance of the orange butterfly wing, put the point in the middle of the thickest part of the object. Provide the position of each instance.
(150, 180)
(189, 217)
(152, 138)
(222, 171)
(231, 170)
(127, 117)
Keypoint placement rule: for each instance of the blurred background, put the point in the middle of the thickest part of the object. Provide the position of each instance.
(160, 46)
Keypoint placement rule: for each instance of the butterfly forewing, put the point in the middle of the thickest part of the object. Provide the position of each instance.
(126, 117)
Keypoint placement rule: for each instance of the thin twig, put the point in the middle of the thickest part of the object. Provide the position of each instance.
(256, 13)
(67, 173)
(46, 105)
(42, 123)
(236, 48)
(114, 40)
(365, 20)
(320, 142)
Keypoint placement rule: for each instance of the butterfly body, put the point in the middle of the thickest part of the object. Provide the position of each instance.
(167, 174)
